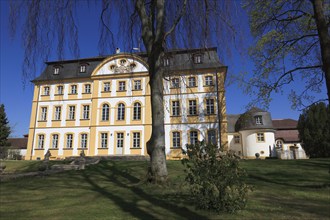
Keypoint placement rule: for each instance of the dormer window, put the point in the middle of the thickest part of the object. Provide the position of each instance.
(83, 68)
(166, 61)
(197, 58)
(56, 70)
(258, 120)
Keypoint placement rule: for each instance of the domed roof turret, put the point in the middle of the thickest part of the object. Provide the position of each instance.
(255, 118)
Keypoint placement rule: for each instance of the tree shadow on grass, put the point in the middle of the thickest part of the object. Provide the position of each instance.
(161, 207)
(274, 180)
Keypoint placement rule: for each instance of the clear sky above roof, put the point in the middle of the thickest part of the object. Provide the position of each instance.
(18, 99)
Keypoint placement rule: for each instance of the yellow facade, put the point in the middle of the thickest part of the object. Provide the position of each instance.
(112, 119)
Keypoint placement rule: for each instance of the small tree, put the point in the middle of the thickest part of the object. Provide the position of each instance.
(215, 178)
(314, 130)
(4, 132)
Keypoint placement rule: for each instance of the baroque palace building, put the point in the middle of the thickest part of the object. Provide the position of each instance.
(102, 105)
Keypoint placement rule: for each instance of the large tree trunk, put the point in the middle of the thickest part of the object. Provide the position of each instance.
(322, 29)
(156, 144)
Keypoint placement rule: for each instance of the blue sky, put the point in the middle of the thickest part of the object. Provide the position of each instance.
(18, 100)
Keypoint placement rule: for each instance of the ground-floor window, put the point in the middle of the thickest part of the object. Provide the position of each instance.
(136, 139)
(55, 141)
(41, 141)
(120, 139)
(211, 137)
(279, 144)
(193, 135)
(83, 141)
(69, 140)
(237, 139)
(176, 139)
(104, 140)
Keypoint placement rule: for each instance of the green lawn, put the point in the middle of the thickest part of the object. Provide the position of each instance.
(113, 190)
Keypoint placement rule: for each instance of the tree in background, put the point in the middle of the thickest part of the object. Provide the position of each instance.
(4, 132)
(161, 24)
(293, 44)
(314, 130)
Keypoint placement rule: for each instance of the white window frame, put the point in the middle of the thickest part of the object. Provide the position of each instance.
(60, 90)
(72, 111)
(121, 112)
(175, 83)
(41, 141)
(197, 58)
(54, 141)
(120, 139)
(83, 68)
(193, 137)
(121, 86)
(69, 140)
(258, 120)
(192, 81)
(43, 116)
(176, 139)
(137, 84)
(46, 90)
(73, 89)
(209, 80)
(166, 61)
(279, 143)
(106, 87)
(136, 139)
(57, 115)
(88, 88)
(105, 112)
(104, 140)
(193, 107)
(237, 139)
(83, 140)
(137, 111)
(56, 70)
(176, 108)
(261, 137)
(210, 109)
(85, 111)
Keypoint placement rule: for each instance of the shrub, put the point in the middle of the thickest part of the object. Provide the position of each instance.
(215, 178)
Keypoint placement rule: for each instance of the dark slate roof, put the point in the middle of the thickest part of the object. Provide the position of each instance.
(69, 69)
(18, 143)
(183, 59)
(232, 119)
(179, 60)
(246, 121)
(281, 124)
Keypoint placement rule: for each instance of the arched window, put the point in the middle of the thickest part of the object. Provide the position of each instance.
(279, 144)
(121, 112)
(137, 111)
(105, 112)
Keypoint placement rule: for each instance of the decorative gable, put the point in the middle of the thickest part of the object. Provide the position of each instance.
(120, 64)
